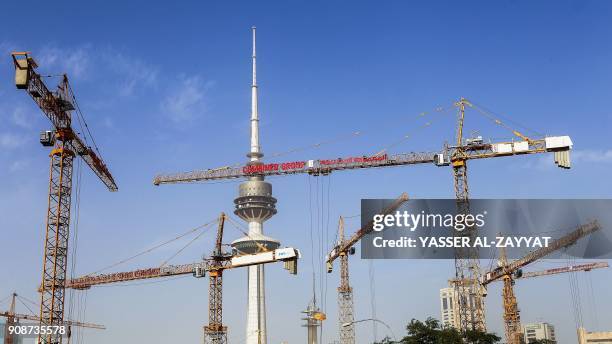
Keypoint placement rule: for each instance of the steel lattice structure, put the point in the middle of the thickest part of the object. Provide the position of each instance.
(215, 332)
(345, 296)
(467, 262)
(56, 241)
(57, 106)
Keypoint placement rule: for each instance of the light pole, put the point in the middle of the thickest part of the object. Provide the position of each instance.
(374, 320)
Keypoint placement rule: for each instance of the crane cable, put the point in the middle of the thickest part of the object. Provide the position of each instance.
(244, 232)
(26, 306)
(371, 273)
(130, 284)
(74, 243)
(80, 114)
(23, 298)
(575, 296)
(6, 298)
(494, 117)
(409, 135)
(593, 301)
(327, 248)
(343, 137)
(356, 133)
(312, 252)
(183, 248)
(338, 138)
(195, 229)
(324, 209)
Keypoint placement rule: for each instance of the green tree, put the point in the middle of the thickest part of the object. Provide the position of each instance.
(385, 340)
(480, 337)
(432, 332)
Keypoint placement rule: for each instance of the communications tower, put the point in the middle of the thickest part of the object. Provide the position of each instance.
(255, 205)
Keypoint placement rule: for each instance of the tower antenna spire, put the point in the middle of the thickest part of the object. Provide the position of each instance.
(255, 153)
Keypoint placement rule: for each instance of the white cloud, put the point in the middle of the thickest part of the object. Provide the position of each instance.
(6, 48)
(592, 156)
(18, 165)
(21, 117)
(587, 156)
(11, 141)
(133, 73)
(81, 62)
(187, 101)
(107, 122)
(73, 61)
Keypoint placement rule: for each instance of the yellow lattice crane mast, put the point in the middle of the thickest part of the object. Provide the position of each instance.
(215, 332)
(58, 106)
(345, 293)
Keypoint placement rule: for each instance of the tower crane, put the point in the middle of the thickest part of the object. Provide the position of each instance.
(467, 264)
(12, 319)
(565, 269)
(346, 314)
(215, 332)
(67, 144)
(507, 269)
(508, 293)
(341, 251)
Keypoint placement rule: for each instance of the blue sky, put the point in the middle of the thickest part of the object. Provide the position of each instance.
(165, 88)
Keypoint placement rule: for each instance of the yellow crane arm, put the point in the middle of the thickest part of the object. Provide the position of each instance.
(57, 106)
(565, 269)
(65, 322)
(345, 245)
(565, 241)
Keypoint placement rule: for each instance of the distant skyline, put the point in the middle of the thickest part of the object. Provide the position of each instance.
(166, 88)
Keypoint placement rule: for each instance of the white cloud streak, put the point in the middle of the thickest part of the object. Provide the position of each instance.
(21, 117)
(586, 156)
(592, 156)
(134, 73)
(11, 141)
(75, 62)
(187, 101)
(18, 165)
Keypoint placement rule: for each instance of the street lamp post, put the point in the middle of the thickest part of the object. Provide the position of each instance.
(374, 320)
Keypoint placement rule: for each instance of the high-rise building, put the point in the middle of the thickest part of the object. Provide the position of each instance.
(449, 304)
(539, 331)
(449, 308)
(16, 339)
(255, 205)
(585, 337)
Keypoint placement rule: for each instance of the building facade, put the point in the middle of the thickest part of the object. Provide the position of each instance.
(539, 331)
(4, 334)
(585, 337)
(449, 308)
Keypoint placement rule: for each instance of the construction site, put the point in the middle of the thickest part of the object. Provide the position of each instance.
(221, 216)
